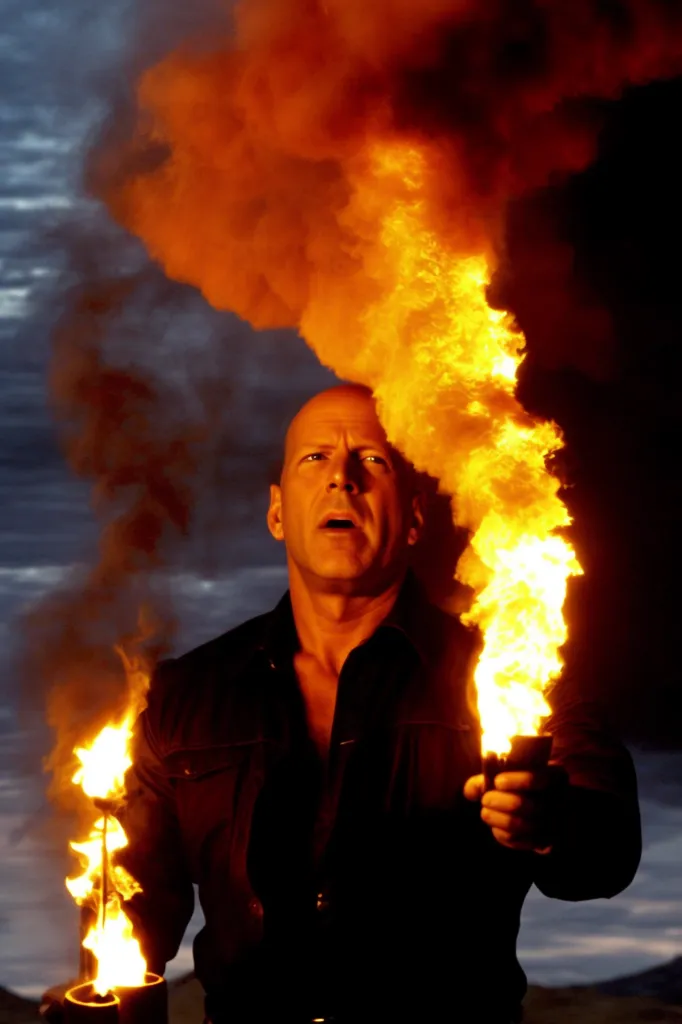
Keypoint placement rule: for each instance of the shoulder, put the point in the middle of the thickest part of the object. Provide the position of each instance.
(231, 651)
(444, 639)
(195, 696)
(444, 686)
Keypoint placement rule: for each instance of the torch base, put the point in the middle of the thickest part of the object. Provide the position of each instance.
(527, 753)
(144, 1004)
(80, 1004)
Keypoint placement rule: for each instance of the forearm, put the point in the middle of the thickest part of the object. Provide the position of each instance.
(161, 911)
(159, 921)
(596, 847)
(155, 857)
(596, 841)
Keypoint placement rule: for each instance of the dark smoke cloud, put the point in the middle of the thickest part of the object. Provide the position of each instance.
(120, 431)
(622, 220)
(157, 409)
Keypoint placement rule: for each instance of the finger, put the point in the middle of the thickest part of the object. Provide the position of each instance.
(505, 839)
(514, 804)
(511, 803)
(518, 828)
(473, 787)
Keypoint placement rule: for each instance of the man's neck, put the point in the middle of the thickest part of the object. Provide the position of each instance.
(330, 625)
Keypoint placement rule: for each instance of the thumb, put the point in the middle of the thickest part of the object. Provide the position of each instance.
(473, 787)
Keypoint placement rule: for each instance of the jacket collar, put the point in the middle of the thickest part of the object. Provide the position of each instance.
(280, 639)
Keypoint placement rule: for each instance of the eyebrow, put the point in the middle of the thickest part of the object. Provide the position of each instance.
(361, 446)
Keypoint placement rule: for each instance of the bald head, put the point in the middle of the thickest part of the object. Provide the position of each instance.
(332, 405)
(345, 506)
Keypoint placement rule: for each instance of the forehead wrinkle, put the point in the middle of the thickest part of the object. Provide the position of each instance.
(354, 438)
(317, 424)
(354, 444)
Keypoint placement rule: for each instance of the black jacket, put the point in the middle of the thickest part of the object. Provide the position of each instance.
(371, 891)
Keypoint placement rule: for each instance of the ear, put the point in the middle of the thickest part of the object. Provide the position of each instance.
(274, 517)
(417, 524)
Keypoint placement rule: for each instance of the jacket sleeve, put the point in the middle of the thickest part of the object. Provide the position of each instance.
(154, 856)
(598, 840)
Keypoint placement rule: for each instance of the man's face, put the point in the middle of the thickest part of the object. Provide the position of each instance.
(346, 506)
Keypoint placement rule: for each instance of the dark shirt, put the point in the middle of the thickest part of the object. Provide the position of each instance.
(367, 889)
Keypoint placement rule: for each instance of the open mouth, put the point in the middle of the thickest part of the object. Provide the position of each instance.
(339, 524)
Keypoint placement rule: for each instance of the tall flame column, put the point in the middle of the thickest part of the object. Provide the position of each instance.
(443, 366)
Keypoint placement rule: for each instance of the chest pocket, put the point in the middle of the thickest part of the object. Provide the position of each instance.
(216, 788)
(199, 763)
(432, 762)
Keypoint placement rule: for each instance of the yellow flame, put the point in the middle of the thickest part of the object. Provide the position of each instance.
(443, 366)
(105, 762)
(90, 853)
(120, 961)
(101, 775)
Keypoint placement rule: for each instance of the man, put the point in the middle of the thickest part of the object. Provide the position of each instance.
(316, 772)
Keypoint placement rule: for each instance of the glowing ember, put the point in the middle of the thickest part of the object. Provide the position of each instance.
(102, 884)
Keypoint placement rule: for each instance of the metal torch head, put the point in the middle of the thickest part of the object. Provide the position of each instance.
(527, 753)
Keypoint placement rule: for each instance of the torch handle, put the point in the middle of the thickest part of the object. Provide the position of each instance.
(492, 766)
(526, 754)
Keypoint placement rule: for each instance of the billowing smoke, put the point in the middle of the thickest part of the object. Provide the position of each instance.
(348, 169)
(247, 153)
(146, 389)
(119, 432)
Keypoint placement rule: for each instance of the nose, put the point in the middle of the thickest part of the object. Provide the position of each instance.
(343, 474)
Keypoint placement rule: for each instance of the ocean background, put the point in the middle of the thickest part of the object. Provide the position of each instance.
(58, 62)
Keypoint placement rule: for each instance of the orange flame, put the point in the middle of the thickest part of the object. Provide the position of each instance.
(104, 764)
(102, 884)
(90, 852)
(443, 367)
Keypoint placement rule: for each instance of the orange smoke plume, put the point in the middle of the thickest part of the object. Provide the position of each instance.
(247, 154)
(345, 168)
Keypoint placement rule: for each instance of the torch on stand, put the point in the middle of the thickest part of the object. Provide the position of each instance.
(527, 753)
(142, 1004)
(81, 1003)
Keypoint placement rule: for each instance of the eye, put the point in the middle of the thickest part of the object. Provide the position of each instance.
(314, 457)
(375, 458)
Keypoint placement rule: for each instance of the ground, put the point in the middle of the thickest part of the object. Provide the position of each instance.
(543, 1006)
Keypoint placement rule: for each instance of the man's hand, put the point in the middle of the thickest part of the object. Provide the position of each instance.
(523, 808)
